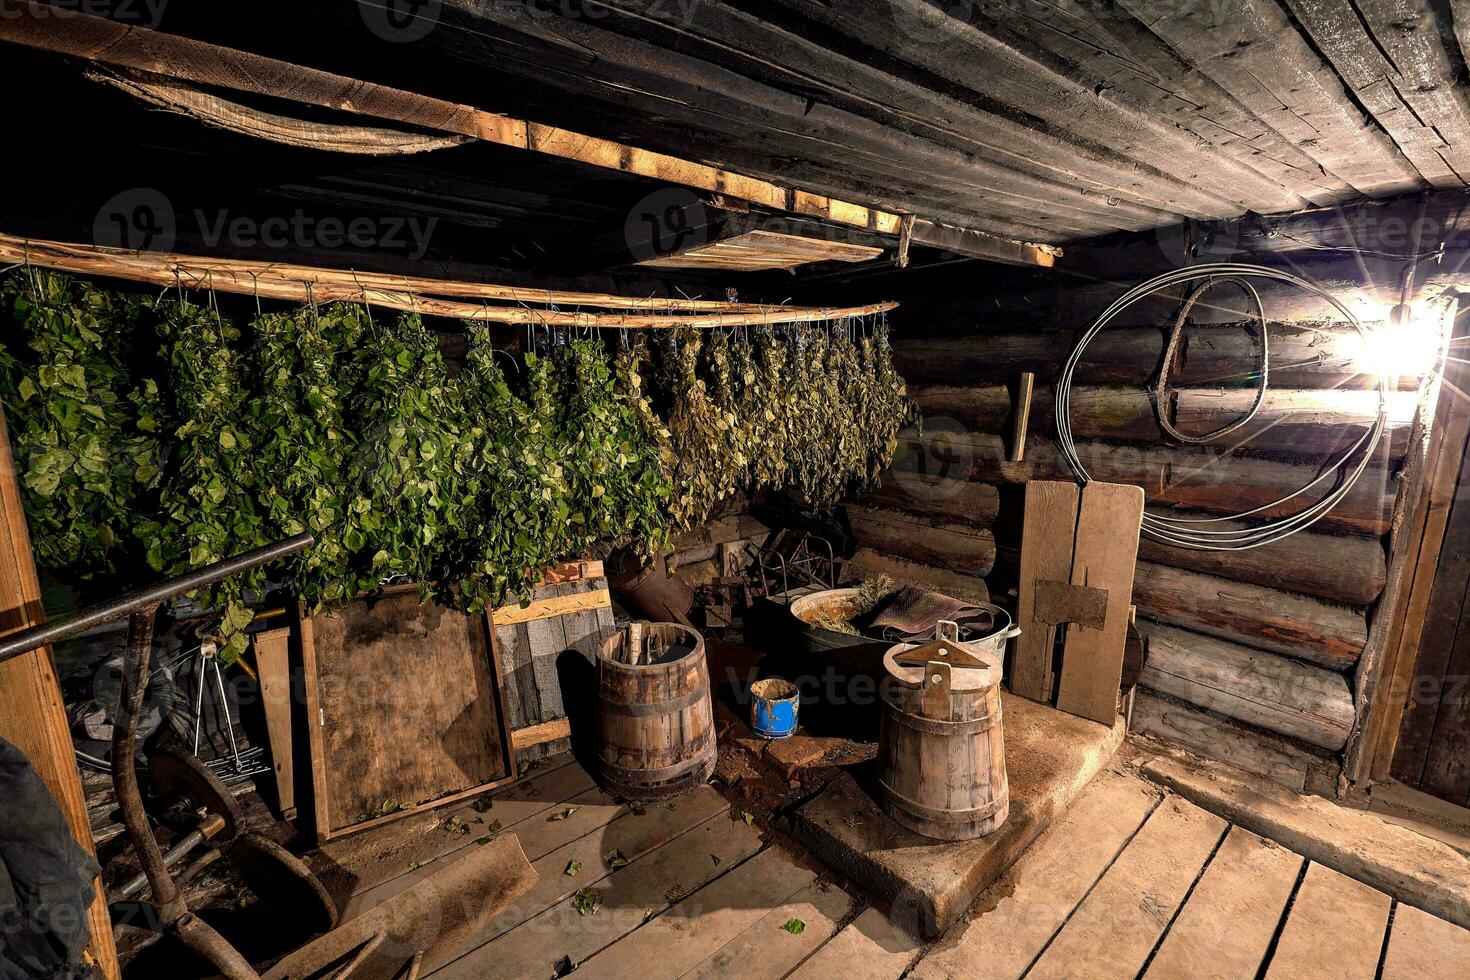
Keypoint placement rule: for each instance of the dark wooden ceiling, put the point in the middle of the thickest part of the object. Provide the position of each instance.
(1045, 120)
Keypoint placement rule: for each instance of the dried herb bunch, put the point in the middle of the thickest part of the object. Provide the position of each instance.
(808, 409)
(153, 434)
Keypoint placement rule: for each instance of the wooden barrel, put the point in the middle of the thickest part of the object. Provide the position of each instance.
(656, 720)
(941, 756)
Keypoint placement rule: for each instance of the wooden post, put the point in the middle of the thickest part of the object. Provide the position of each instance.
(1024, 389)
(31, 713)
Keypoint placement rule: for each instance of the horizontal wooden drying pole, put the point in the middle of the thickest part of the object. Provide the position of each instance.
(104, 42)
(304, 284)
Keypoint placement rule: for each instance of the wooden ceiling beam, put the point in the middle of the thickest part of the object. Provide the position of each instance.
(99, 41)
(314, 284)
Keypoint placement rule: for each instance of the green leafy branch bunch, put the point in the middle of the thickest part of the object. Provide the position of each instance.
(151, 433)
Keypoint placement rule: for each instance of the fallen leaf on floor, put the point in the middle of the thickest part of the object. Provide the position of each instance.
(415, 865)
(494, 829)
(614, 859)
(748, 817)
(587, 901)
(715, 858)
(563, 814)
(795, 926)
(638, 809)
(573, 866)
(676, 893)
(482, 804)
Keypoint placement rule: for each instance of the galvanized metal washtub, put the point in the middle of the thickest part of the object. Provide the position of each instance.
(846, 669)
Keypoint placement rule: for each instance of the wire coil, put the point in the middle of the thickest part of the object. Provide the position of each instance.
(1197, 533)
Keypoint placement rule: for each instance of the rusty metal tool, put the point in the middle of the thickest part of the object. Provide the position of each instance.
(141, 607)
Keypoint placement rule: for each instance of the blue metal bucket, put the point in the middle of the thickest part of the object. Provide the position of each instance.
(773, 704)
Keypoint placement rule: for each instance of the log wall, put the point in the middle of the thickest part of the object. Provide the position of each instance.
(1252, 653)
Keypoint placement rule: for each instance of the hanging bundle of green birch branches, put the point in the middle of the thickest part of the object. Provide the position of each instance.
(152, 435)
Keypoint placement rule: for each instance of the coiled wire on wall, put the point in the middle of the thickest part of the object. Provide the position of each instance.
(1204, 533)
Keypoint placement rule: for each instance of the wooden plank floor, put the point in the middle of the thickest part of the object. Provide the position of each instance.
(1137, 882)
(1132, 882)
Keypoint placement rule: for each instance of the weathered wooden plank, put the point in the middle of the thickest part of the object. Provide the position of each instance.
(552, 603)
(272, 664)
(627, 898)
(1046, 556)
(681, 938)
(1419, 945)
(868, 948)
(631, 836)
(1262, 57)
(547, 634)
(32, 715)
(1385, 679)
(1017, 916)
(1410, 867)
(767, 949)
(944, 544)
(1391, 53)
(514, 647)
(1225, 929)
(1163, 86)
(539, 834)
(1253, 686)
(1269, 619)
(1107, 549)
(1114, 929)
(547, 731)
(355, 865)
(572, 571)
(1334, 930)
(1045, 91)
(1208, 736)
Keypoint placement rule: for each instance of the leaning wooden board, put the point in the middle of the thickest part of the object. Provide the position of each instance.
(1049, 526)
(1107, 551)
(1078, 554)
(404, 707)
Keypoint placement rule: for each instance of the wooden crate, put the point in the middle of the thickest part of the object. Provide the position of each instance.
(570, 610)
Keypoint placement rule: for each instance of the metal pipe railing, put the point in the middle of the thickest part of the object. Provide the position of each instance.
(129, 602)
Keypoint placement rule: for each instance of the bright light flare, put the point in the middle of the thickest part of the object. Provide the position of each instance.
(1403, 343)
